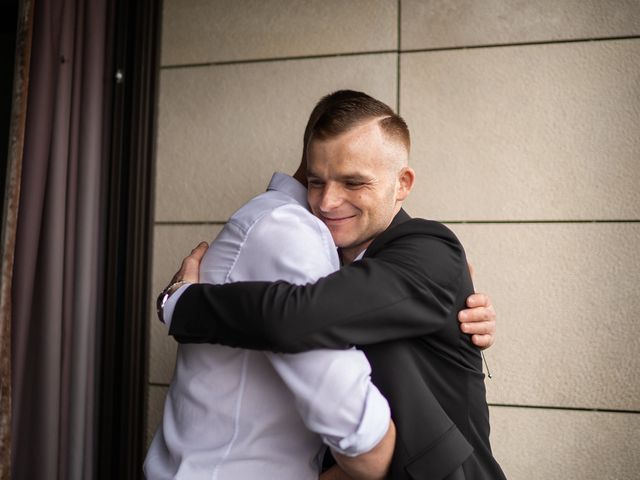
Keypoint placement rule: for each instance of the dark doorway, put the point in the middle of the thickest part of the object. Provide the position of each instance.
(8, 30)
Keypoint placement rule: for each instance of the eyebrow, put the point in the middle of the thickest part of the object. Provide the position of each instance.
(355, 177)
(348, 177)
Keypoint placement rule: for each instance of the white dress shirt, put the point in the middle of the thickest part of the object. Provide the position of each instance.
(239, 414)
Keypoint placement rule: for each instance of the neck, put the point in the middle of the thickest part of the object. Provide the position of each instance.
(348, 255)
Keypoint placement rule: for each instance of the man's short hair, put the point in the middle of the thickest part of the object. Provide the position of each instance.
(340, 111)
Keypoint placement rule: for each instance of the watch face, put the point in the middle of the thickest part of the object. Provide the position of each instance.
(164, 296)
(162, 299)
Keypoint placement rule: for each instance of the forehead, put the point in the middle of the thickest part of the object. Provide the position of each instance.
(364, 147)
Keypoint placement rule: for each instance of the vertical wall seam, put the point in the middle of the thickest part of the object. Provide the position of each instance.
(399, 45)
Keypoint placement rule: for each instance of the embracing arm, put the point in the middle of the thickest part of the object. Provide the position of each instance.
(373, 465)
(406, 288)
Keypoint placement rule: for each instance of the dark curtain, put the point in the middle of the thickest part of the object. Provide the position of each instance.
(58, 260)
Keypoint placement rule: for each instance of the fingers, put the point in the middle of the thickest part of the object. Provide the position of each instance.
(479, 320)
(478, 300)
(482, 341)
(487, 327)
(199, 251)
(477, 314)
(483, 334)
(190, 268)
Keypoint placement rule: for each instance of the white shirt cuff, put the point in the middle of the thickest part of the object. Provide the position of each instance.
(170, 304)
(372, 428)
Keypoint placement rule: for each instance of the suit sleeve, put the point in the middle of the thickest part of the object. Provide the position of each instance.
(406, 289)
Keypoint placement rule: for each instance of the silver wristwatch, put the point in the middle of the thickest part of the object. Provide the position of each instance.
(164, 296)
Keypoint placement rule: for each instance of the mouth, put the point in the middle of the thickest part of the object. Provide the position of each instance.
(336, 221)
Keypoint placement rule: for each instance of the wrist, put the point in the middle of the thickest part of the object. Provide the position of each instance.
(164, 296)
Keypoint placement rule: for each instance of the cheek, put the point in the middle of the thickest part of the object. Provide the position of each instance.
(381, 207)
(363, 199)
(312, 199)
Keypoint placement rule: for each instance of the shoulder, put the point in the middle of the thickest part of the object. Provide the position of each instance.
(416, 231)
(291, 220)
(293, 227)
(423, 249)
(256, 208)
(276, 207)
(427, 227)
(288, 241)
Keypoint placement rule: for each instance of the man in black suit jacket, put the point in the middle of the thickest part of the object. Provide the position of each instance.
(398, 302)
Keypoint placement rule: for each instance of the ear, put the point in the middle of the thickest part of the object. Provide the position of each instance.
(406, 177)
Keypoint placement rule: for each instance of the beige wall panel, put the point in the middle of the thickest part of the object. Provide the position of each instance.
(568, 304)
(565, 445)
(201, 32)
(223, 130)
(155, 406)
(171, 244)
(526, 133)
(454, 23)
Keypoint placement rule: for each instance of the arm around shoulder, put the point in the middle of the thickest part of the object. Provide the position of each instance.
(404, 288)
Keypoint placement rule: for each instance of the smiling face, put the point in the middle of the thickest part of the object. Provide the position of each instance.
(357, 182)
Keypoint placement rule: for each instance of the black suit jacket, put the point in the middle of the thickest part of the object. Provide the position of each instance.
(399, 304)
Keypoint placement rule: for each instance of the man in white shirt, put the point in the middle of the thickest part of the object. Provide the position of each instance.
(235, 414)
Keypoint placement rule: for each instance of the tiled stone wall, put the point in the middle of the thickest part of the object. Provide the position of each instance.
(525, 118)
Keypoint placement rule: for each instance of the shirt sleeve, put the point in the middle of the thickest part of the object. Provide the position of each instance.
(332, 388)
(335, 397)
(170, 304)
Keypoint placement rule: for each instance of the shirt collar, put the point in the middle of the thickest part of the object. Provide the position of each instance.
(360, 255)
(284, 183)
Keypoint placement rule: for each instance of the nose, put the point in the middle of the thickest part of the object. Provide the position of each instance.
(330, 198)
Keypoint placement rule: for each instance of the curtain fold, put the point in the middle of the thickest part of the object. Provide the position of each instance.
(58, 258)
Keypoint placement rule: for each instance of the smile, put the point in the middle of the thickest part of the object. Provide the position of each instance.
(336, 220)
